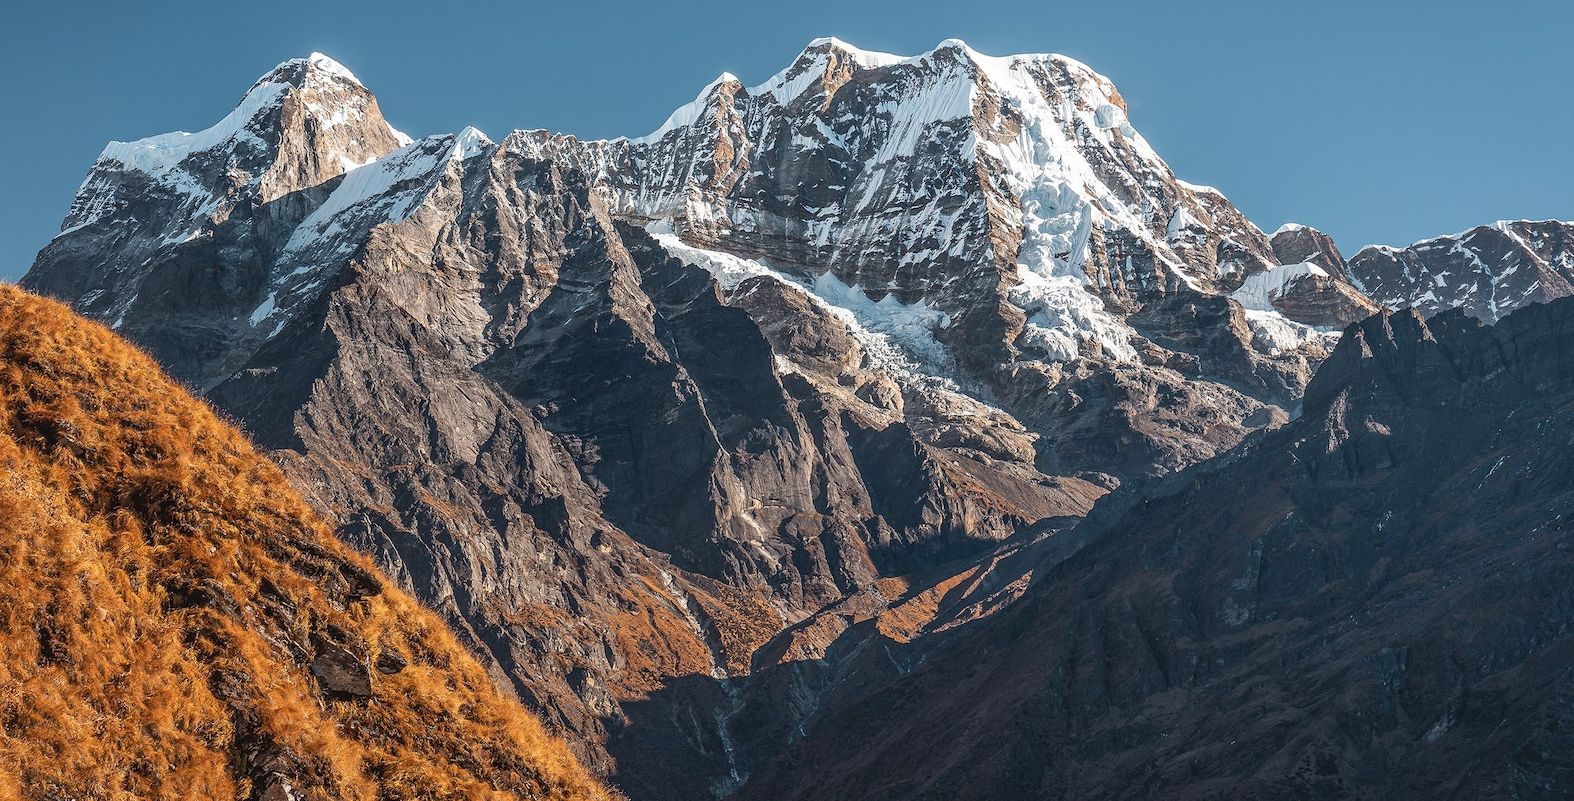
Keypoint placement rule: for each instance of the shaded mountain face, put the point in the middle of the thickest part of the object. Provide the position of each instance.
(1370, 602)
(674, 430)
(179, 624)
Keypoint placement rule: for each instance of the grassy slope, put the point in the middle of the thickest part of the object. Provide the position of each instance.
(163, 594)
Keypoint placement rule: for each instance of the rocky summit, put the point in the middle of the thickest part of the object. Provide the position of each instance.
(704, 440)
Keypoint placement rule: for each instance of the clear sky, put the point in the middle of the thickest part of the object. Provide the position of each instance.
(1376, 121)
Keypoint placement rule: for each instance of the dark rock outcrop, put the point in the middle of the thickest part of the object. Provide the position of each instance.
(1323, 300)
(1296, 244)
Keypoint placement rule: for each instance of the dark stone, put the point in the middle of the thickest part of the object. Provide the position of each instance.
(341, 673)
(391, 662)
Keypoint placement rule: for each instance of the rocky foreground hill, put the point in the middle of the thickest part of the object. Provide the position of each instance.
(178, 624)
(697, 438)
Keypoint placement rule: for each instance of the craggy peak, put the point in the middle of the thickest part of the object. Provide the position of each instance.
(898, 427)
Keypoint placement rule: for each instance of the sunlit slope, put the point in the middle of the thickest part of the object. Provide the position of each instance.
(176, 623)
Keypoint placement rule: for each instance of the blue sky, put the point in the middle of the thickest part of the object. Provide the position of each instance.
(1376, 121)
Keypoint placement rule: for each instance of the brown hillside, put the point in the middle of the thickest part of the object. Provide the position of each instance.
(175, 623)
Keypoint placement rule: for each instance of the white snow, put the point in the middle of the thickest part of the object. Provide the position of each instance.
(1271, 330)
(897, 337)
(688, 113)
(1109, 115)
(166, 158)
(867, 58)
(1288, 227)
(471, 142)
(1504, 226)
(1062, 313)
(909, 326)
(786, 85)
(332, 67)
(159, 155)
(262, 311)
(387, 190)
(1275, 333)
(411, 169)
(1062, 200)
(1202, 189)
(1182, 222)
(1047, 163)
(1259, 290)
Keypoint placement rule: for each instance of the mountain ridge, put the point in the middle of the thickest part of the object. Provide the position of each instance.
(676, 430)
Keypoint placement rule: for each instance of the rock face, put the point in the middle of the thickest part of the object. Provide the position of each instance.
(1370, 602)
(674, 430)
(179, 624)
(1306, 291)
(1297, 244)
(1489, 271)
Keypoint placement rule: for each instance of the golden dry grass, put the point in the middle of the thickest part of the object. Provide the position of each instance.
(160, 591)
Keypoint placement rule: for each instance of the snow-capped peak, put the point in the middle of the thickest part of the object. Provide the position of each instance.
(1047, 133)
(690, 112)
(867, 57)
(811, 64)
(315, 69)
(471, 142)
(303, 123)
(332, 67)
(317, 73)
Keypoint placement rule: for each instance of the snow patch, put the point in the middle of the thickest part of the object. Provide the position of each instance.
(392, 183)
(1259, 290)
(387, 190)
(1109, 115)
(1182, 223)
(333, 68)
(1276, 334)
(1201, 189)
(898, 338)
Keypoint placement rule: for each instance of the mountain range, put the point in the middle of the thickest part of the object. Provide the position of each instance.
(179, 624)
(899, 427)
